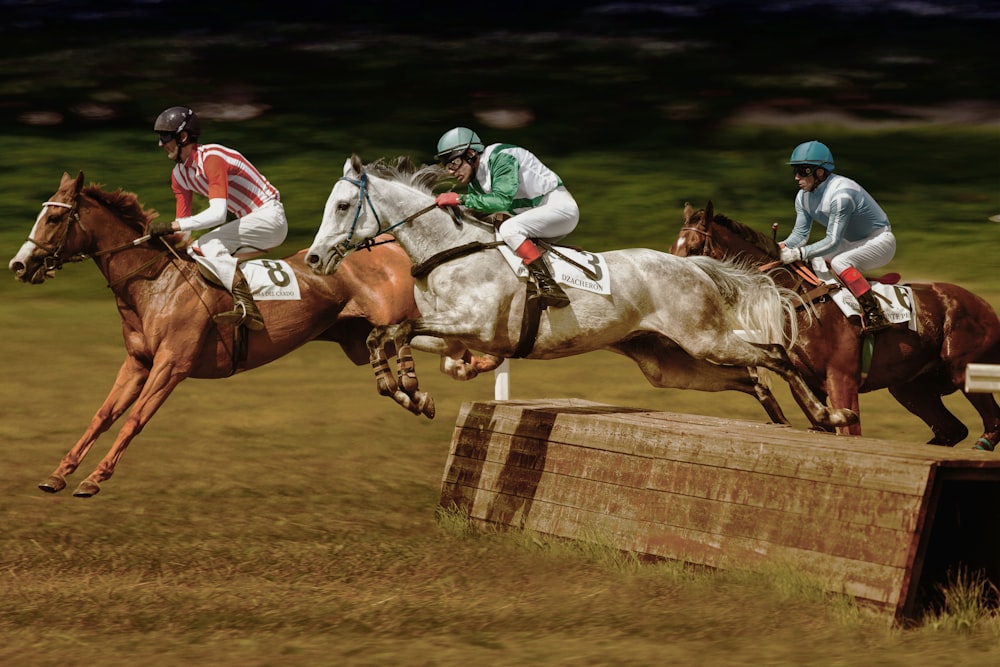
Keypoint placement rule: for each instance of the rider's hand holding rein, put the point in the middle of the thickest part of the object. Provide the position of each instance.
(448, 199)
(161, 228)
(789, 255)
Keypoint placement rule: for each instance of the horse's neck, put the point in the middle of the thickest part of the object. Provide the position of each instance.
(434, 231)
(114, 254)
(736, 245)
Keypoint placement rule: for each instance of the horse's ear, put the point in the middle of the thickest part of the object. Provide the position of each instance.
(356, 164)
(78, 186)
(709, 212)
(688, 211)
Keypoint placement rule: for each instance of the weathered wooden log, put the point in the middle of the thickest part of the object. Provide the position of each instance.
(884, 521)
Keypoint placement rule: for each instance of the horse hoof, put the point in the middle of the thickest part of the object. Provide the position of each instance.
(426, 405)
(845, 417)
(87, 489)
(54, 484)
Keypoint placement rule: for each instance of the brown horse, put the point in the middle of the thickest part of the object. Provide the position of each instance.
(954, 327)
(166, 310)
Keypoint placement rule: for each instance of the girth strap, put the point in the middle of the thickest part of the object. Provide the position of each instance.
(421, 270)
(529, 322)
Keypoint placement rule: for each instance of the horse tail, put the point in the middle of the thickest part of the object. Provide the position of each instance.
(759, 304)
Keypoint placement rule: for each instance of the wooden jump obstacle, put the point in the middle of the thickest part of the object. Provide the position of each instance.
(884, 521)
(982, 378)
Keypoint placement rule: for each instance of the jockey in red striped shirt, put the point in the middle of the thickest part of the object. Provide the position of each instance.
(232, 185)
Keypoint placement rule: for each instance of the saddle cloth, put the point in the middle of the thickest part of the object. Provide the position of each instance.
(896, 300)
(269, 279)
(565, 272)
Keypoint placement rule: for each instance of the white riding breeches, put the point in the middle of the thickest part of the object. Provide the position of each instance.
(865, 255)
(556, 216)
(251, 235)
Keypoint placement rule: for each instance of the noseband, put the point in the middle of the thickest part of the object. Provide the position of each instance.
(52, 261)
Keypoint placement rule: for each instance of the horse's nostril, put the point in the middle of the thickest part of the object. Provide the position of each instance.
(312, 260)
(18, 268)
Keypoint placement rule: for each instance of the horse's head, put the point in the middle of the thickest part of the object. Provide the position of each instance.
(695, 237)
(714, 235)
(57, 237)
(349, 219)
(368, 201)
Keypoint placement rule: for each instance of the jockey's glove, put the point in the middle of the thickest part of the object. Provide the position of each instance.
(160, 228)
(448, 199)
(789, 255)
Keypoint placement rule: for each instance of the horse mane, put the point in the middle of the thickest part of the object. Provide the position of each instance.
(425, 178)
(748, 234)
(406, 171)
(125, 205)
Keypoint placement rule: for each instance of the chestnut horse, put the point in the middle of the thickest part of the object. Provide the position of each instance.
(953, 328)
(166, 309)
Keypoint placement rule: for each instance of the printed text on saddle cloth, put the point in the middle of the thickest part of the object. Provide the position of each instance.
(566, 273)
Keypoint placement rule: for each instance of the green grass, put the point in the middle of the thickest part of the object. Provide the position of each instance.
(288, 516)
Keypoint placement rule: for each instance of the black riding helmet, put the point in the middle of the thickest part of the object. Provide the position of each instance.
(175, 120)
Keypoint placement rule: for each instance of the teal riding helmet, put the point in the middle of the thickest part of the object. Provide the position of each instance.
(814, 153)
(456, 141)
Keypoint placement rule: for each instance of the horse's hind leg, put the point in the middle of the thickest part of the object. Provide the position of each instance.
(988, 409)
(922, 397)
(666, 365)
(128, 384)
(774, 357)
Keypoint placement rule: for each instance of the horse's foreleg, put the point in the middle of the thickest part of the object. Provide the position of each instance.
(131, 377)
(162, 380)
(406, 391)
(842, 391)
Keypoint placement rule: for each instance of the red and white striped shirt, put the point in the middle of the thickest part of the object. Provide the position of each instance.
(217, 172)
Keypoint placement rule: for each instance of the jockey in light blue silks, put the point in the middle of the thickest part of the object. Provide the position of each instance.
(509, 179)
(858, 235)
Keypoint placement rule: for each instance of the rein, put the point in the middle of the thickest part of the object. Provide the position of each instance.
(53, 261)
(363, 197)
(811, 289)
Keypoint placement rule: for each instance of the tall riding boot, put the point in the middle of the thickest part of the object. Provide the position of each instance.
(244, 309)
(549, 291)
(872, 317)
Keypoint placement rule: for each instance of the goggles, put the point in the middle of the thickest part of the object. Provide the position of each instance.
(804, 169)
(454, 163)
(167, 137)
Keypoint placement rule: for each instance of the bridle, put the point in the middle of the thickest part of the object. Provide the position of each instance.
(53, 261)
(364, 197)
(709, 247)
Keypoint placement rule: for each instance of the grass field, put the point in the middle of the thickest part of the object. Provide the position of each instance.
(287, 516)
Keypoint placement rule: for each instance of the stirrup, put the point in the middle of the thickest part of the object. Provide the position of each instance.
(240, 315)
(875, 324)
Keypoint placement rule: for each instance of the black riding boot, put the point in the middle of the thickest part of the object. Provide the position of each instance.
(872, 317)
(550, 292)
(244, 309)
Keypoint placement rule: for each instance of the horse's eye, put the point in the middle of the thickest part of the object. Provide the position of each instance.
(342, 206)
(53, 219)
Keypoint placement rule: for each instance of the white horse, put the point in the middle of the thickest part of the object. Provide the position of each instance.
(675, 317)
